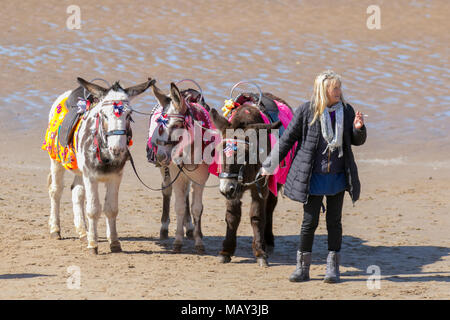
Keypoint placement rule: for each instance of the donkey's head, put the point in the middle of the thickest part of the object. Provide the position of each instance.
(113, 113)
(244, 140)
(172, 124)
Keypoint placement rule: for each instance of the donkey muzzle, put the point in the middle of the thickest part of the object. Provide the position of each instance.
(229, 188)
(163, 159)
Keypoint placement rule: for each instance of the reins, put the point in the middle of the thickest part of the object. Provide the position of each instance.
(180, 167)
(139, 178)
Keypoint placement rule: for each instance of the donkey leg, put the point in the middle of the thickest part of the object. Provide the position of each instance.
(189, 227)
(269, 238)
(257, 220)
(181, 187)
(111, 210)
(55, 189)
(78, 197)
(197, 210)
(167, 194)
(232, 218)
(93, 210)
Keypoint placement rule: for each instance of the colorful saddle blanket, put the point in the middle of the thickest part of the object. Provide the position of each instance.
(63, 154)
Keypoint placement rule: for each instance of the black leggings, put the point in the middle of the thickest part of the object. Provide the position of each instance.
(311, 213)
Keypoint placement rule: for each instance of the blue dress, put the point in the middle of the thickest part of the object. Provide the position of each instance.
(328, 177)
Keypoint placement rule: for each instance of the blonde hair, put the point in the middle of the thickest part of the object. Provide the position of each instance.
(319, 100)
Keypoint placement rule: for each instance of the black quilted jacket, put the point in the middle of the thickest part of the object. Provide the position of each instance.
(299, 129)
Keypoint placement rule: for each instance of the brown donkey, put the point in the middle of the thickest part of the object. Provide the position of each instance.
(239, 173)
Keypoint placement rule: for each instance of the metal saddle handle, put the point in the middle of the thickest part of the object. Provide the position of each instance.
(247, 82)
(195, 83)
(95, 79)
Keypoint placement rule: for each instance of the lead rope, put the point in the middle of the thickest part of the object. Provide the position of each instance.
(139, 178)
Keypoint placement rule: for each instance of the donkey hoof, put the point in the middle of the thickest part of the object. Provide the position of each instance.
(177, 248)
(55, 235)
(115, 247)
(262, 262)
(93, 251)
(200, 249)
(224, 259)
(190, 234)
(163, 234)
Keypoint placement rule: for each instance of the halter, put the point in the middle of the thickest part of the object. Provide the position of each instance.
(240, 175)
(232, 143)
(164, 119)
(120, 106)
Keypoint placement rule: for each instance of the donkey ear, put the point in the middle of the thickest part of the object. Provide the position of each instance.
(96, 90)
(266, 126)
(138, 89)
(219, 121)
(177, 98)
(163, 99)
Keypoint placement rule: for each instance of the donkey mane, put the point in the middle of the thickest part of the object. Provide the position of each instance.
(116, 87)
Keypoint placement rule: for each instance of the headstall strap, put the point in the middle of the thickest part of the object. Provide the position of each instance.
(96, 144)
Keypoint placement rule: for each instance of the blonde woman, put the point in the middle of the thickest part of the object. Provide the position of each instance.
(325, 128)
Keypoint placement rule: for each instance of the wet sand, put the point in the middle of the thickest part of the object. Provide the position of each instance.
(397, 75)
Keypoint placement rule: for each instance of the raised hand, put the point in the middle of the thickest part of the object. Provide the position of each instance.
(359, 120)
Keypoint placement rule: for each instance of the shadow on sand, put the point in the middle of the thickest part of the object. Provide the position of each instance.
(396, 263)
(23, 276)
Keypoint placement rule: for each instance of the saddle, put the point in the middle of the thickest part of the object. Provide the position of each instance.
(192, 96)
(267, 106)
(68, 125)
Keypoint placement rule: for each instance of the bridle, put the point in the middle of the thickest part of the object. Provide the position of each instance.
(163, 119)
(120, 106)
(239, 176)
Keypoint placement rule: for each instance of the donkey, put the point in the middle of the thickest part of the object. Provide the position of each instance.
(180, 174)
(189, 95)
(239, 175)
(100, 147)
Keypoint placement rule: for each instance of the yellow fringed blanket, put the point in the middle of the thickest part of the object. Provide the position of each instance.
(65, 155)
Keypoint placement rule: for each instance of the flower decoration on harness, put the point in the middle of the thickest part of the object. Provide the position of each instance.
(118, 108)
(163, 119)
(229, 106)
(83, 105)
(230, 147)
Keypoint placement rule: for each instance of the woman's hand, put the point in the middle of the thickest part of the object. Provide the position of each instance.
(359, 120)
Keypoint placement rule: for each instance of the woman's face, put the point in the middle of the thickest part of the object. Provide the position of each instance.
(334, 93)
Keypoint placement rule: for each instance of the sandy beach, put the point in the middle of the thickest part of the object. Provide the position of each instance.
(398, 75)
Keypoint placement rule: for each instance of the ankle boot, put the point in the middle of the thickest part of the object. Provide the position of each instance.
(301, 272)
(332, 274)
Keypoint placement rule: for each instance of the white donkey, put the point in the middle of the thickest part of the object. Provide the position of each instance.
(177, 115)
(101, 151)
